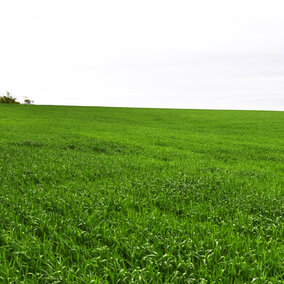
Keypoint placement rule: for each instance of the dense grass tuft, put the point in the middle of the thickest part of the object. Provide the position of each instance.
(95, 195)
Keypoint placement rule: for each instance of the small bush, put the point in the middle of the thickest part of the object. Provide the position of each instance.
(28, 102)
(8, 99)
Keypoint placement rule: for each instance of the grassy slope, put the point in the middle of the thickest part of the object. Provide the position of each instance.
(140, 195)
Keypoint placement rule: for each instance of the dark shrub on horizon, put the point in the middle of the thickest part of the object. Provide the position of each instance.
(8, 99)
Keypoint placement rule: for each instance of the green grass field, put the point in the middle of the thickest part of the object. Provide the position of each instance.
(118, 195)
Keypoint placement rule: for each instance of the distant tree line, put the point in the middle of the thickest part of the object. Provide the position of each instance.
(8, 99)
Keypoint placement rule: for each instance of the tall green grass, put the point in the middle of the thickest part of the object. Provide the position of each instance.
(96, 195)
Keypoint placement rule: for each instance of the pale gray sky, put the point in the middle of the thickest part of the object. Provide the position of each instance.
(151, 53)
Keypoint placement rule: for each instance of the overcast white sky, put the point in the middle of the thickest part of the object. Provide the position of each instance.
(157, 53)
